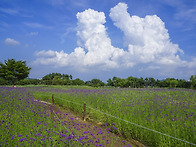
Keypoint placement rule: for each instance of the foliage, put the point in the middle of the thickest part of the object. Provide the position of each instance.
(95, 83)
(173, 83)
(57, 79)
(168, 111)
(3, 81)
(28, 82)
(77, 81)
(130, 82)
(193, 81)
(13, 70)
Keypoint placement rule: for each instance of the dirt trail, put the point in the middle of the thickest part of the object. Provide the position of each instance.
(89, 130)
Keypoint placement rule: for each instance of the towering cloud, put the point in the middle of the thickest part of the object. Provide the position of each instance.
(147, 38)
(95, 45)
(93, 37)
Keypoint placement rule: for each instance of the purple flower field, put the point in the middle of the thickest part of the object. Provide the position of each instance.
(170, 112)
(27, 122)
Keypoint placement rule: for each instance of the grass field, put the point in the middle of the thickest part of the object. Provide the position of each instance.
(168, 111)
(25, 121)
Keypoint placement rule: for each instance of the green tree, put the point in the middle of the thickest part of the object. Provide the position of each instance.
(67, 79)
(97, 83)
(123, 83)
(193, 81)
(150, 82)
(57, 80)
(47, 80)
(173, 83)
(3, 81)
(132, 82)
(165, 83)
(23, 82)
(14, 71)
(34, 81)
(110, 82)
(117, 81)
(65, 76)
(141, 82)
(77, 81)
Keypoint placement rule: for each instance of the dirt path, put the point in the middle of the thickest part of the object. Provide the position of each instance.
(93, 133)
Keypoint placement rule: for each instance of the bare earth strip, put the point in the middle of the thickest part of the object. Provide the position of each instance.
(92, 130)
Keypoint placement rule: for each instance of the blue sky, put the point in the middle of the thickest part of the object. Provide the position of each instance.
(101, 38)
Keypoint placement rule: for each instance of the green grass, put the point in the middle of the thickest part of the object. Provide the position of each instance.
(172, 112)
(26, 122)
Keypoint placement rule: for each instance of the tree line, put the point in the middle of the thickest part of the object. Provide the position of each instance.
(16, 73)
(130, 82)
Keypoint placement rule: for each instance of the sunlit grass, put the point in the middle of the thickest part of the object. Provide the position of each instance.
(171, 112)
(25, 121)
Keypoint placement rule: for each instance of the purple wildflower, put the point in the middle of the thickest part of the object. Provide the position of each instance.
(63, 135)
(21, 140)
(32, 139)
(38, 134)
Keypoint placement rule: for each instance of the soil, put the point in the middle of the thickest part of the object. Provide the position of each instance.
(91, 127)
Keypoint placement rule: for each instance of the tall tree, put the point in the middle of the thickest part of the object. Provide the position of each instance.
(193, 81)
(110, 82)
(13, 70)
(173, 83)
(133, 82)
(77, 81)
(97, 83)
(141, 82)
(47, 80)
(57, 80)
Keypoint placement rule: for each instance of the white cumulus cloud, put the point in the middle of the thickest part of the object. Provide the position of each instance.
(12, 42)
(147, 38)
(93, 37)
(94, 45)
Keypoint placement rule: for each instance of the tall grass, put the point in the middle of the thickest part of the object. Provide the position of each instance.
(172, 112)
